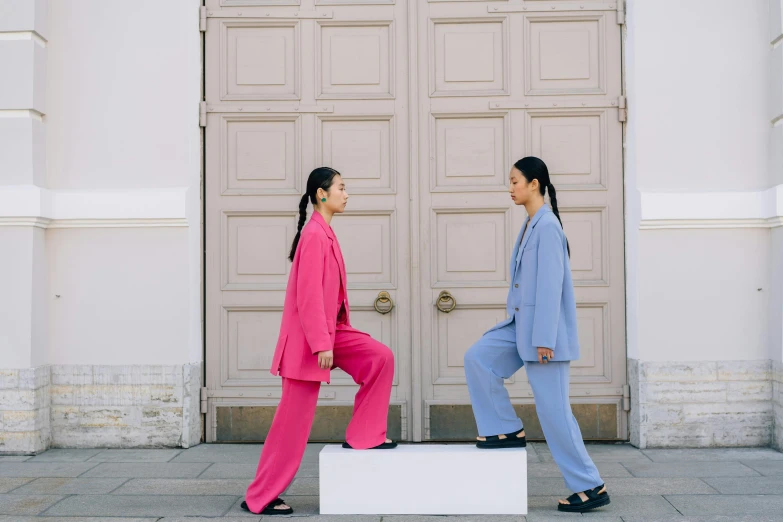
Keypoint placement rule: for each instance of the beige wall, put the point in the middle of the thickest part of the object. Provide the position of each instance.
(123, 296)
(123, 92)
(22, 306)
(699, 298)
(697, 86)
(697, 79)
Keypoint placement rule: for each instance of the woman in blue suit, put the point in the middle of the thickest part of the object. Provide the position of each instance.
(539, 334)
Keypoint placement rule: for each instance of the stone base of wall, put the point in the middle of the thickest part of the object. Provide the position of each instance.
(24, 411)
(777, 403)
(701, 404)
(125, 406)
(99, 407)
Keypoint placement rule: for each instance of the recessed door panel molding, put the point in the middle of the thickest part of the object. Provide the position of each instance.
(363, 147)
(469, 56)
(355, 59)
(470, 151)
(470, 247)
(217, 4)
(588, 231)
(260, 60)
(455, 333)
(262, 154)
(368, 240)
(255, 249)
(583, 133)
(250, 337)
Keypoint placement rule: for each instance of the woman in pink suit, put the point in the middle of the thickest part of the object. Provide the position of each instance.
(316, 335)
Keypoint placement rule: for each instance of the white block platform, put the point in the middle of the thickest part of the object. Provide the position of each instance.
(423, 479)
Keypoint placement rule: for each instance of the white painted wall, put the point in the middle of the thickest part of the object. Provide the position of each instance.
(123, 92)
(697, 80)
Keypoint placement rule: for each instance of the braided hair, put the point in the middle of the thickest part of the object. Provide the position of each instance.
(322, 178)
(534, 168)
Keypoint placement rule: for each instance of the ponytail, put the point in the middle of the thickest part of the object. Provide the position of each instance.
(553, 202)
(302, 219)
(320, 178)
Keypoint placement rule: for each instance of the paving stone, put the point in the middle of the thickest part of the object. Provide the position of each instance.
(707, 518)
(26, 504)
(135, 455)
(81, 519)
(209, 519)
(556, 516)
(45, 469)
(466, 518)
(302, 505)
(236, 487)
(727, 504)
(626, 487)
(142, 505)
(315, 449)
(65, 455)
(658, 486)
(606, 469)
(229, 471)
(70, 486)
(223, 453)
(147, 470)
(332, 518)
(620, 506)
(689, 469)
(14, 458)
(747, 485)
(712, 455)
(305, 470)
(303, 486)
(770, 468)
(9, 484)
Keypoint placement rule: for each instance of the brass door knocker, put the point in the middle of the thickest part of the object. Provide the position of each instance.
(383, 303)
(446, 302)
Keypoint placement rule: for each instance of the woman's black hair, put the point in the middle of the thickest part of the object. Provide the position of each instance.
(535, 168)
(322, 178)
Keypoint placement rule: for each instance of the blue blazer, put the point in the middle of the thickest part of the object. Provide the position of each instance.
(541, 296)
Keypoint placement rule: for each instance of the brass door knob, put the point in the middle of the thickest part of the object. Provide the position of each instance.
(383, 303)
(446, 302)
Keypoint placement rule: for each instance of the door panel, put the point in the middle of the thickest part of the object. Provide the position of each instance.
(503, 81)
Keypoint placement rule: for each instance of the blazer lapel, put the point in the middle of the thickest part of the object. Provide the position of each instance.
(543, 210)
(516, 250)
(338, 255)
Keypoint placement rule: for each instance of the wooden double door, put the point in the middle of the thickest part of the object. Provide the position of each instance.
(423, 107)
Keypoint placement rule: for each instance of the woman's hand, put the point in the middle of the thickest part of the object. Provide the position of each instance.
(545, 352)
(326, 359)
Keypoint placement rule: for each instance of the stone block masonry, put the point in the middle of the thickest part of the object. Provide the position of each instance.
(777, 403)
(704, 404)
(24, 411)
(88, 406)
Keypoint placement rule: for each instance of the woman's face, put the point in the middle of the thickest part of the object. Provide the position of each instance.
(521, 191)
(336, 197)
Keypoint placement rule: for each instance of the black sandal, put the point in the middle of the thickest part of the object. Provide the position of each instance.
(385, 445)
(595, 499)
(270, 508)
(511, 441)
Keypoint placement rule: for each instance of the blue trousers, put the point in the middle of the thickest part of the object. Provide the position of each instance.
(494, 358)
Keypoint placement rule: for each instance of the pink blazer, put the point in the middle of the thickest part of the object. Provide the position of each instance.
(316, 290)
